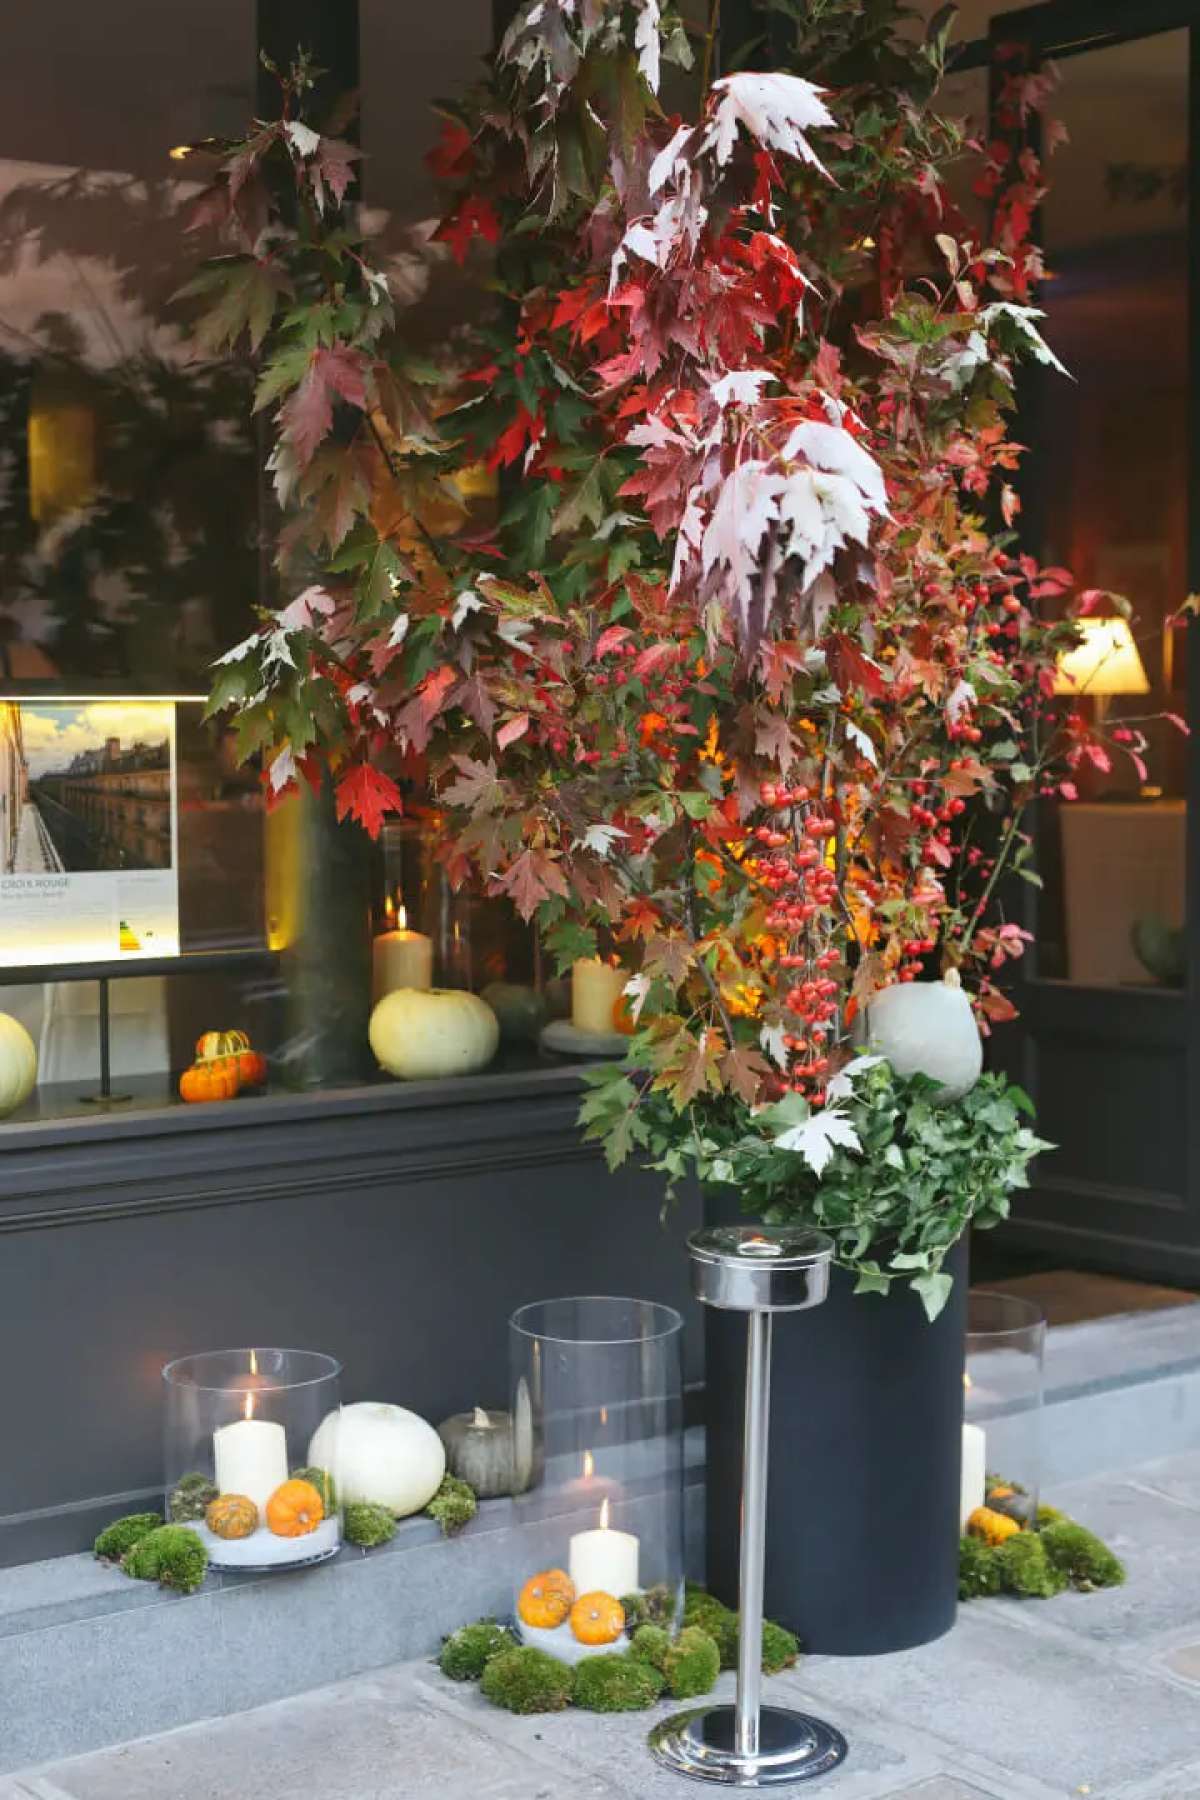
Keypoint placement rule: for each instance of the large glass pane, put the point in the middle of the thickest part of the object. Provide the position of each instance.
(128, 527)
(1110, 499)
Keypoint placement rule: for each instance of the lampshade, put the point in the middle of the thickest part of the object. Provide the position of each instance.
(1106, 662)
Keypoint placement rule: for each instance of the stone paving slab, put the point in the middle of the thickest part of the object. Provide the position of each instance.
(367, 1739)
(1026, 1701)
(614, 1747)
(1157, 1536)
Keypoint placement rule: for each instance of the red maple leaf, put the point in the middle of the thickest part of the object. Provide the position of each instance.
(307, 415)
(367, 794)
(451, 156)
(473, 218)
(526, 428)
(851, 667)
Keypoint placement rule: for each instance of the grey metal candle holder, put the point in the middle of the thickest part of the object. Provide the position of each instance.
(758, 1270)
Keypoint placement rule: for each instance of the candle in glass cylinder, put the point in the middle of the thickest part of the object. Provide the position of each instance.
(604, 1561)
(250, 1456)
(974, 1479)
(401, 958)
(596, 987)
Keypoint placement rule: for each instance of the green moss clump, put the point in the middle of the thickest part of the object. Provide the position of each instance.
(324, 1483)
(1079, 1556)
(172, 1556)
(467, 1651)
(1026, 1570)
(650, 1644)
(718, 1620)
(978, 1570)
(526, 1680)
(656, 1606)
(1048, 1515)
(124, 1533)
(616, 1684)
(190, 1498)
(780, 1648)
(692, 1664)
(454, 1505)
(368, 1525)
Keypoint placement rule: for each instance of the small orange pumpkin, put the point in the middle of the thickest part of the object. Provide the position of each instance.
(294, 1509)
(210, 1080)
(993, 1527)
(546, 1599)
(597, 1618)
(231, 1516)
(622, 1016)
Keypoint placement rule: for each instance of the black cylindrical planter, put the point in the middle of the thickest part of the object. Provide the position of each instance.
(866, 1445)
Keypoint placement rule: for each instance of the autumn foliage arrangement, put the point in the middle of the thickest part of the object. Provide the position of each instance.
(748, 680)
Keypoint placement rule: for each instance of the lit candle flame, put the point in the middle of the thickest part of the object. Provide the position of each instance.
(254, 1362)
(389, 908)
(248, 1409)
(402, 917)
(604, 1415)
(967, 1382)
(604, 1514)
(589, 1465)
(481, 1419)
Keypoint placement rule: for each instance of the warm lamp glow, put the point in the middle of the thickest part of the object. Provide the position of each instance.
(1106, 662)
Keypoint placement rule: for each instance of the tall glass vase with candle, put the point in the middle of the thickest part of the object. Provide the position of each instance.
(237, 1429)
(1002, 1405)
(597, 1401)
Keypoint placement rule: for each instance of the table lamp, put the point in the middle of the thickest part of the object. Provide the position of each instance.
(1105, 663)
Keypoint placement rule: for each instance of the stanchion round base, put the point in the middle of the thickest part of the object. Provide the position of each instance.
(791, 1747)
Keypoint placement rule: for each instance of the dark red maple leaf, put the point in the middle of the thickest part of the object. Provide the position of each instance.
(852, 667)
(525, 429)
(475, 217)
(307, 415)
(451, 157)
(365, 793)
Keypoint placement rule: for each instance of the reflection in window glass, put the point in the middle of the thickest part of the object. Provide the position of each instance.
(128, 487)
(1111, 497)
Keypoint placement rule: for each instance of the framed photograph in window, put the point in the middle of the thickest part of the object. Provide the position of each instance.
(88, 831)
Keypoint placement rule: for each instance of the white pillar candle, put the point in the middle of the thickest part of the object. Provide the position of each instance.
(974, 1478)
(603, 1561)
(596, 987)
(251, 1457)
(401, 959)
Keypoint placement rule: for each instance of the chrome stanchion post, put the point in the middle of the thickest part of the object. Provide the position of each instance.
(760, 1271)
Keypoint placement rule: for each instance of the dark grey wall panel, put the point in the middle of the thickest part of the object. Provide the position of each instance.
(394, 1227)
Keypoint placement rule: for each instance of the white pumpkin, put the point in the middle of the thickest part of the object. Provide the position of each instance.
(927, 1028)
(18, 1064)
(381, 1453)
(419, 1033)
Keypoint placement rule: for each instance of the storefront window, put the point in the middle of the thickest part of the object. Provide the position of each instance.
(135, 541)
(1111, 502)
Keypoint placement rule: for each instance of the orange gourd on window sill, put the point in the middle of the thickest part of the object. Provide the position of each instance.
(215, 1046)
(213, 1079)
(294, 1509)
